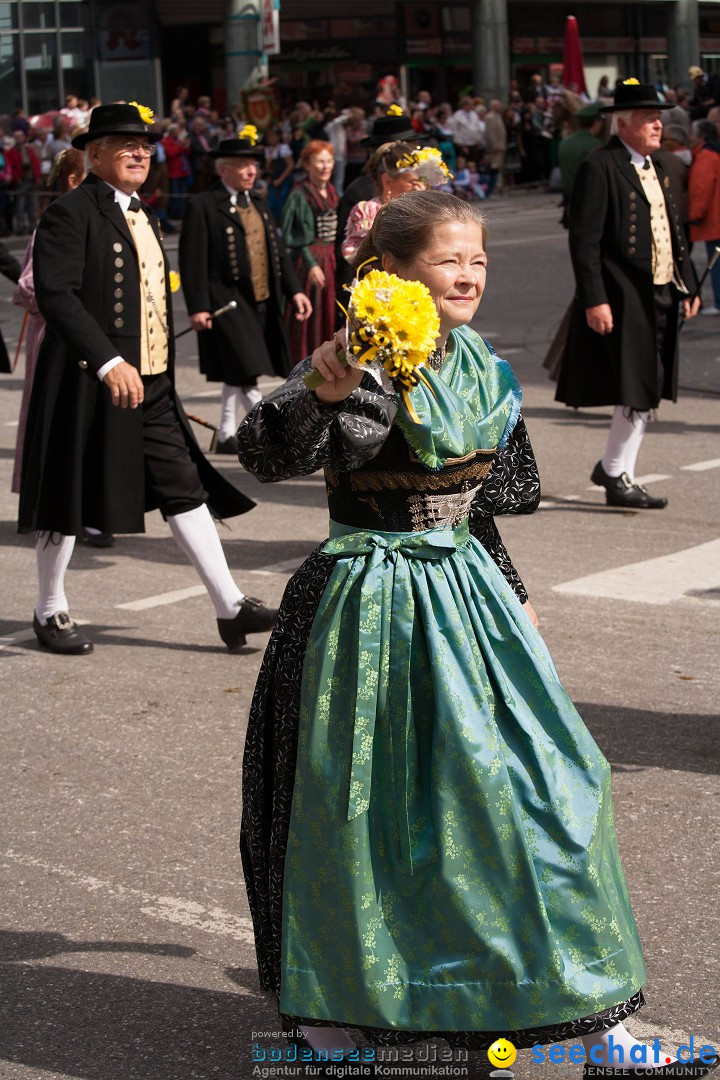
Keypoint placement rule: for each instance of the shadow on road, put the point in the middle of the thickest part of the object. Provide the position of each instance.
(686, 741)
(106, 1027)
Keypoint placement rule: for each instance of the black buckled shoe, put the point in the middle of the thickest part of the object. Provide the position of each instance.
(620, 491)
(252, 618)
(683, 1070)
(60, 634)
(227, 446)
(97, 539)
(322, 1065)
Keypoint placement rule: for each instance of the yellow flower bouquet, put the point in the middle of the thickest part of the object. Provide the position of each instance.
(393, 325)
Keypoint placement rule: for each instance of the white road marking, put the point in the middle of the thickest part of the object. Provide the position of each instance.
(163, 598)
(176, 595)
(279, 568)
(173, 909)
(654, 581)
(701, 466)
(651, 478)
(529, 240)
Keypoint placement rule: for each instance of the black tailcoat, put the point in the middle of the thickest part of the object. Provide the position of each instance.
(10, 267)
(611, 249)
(215, 269)
(83, 456)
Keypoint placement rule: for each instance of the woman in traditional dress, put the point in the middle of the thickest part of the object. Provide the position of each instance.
(427, 840)
(391, 178)
(67, 173)
(309, 224)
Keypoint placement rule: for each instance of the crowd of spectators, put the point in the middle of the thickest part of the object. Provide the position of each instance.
(486, 144)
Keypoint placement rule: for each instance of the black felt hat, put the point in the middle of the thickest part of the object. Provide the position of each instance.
(243, 148)
(116, 119)
(392, 129)
(634, 95)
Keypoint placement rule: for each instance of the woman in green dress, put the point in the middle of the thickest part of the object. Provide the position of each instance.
(428, 839)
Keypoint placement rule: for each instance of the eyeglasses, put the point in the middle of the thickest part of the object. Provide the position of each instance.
(131, 149)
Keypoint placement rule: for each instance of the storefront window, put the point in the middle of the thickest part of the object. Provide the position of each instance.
(10, 95)
(38, 15)
(41, 71)
(74, 14)
(77, 64)
(8, 17)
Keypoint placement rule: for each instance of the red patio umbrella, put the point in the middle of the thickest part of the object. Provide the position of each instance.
(573, 72)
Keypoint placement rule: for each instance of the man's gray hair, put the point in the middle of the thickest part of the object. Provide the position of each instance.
(704, 129)
(94, 142)
(677, 133)
(622, 114)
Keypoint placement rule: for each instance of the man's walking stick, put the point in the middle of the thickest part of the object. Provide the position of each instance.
(197, 419)
(711, 262)
(213, 315)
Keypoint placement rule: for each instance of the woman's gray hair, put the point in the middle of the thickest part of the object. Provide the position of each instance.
(404, 226)
(621, 114)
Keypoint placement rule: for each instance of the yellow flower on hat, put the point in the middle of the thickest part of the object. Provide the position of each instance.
(249, 132)
(174, 281)
(630, 82)
(146, 115)
(394, 110)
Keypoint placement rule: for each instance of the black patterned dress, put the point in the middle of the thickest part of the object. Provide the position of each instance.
(377, 485)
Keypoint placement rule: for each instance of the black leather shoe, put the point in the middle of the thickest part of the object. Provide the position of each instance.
(252, 618)
(60, 634)
(227, 446)
(319, 1066)
(620, 491)
(98, 539)
(687, 1070)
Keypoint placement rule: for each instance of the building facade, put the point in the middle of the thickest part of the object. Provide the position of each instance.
(142, 50)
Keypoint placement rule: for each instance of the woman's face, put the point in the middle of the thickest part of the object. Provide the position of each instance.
(453, 266)
(320, 167)
(392, 186)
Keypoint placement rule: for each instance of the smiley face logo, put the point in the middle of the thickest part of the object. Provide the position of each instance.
(502, 1053)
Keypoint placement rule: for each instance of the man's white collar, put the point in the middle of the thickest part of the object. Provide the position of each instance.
(121, 197)
(635, 158)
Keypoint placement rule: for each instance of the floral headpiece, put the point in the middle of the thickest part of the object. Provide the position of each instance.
(146, 114)
(394, 110)
(630, 82)
(249, 132)
(428, 163)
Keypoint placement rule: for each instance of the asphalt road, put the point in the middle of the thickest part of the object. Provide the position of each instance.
(126, 948)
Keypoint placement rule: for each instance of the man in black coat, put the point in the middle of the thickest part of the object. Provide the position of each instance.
(230, 250)
(631, 269)
(106, 437)
(10, 267)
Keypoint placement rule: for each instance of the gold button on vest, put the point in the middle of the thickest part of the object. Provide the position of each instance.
(153, 308)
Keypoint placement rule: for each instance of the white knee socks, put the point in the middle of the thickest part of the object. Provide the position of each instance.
(52, 553)
(623, 444)
(617, 1047)
(197, 536)
(231, 399)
